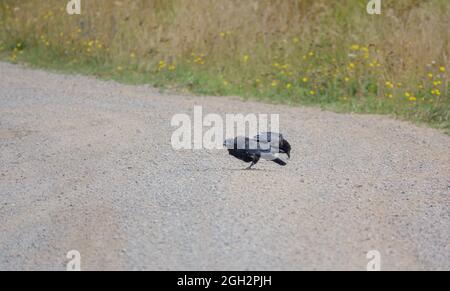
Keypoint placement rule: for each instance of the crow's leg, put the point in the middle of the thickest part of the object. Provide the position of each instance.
(254, 162)
(250, 167)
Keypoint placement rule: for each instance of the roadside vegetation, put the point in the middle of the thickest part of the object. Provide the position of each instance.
(323, 53)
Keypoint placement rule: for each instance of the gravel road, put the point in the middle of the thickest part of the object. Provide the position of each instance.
(88, 165)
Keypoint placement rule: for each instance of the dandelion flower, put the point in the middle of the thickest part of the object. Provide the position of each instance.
(162, 65)
(436, 92)
(389, 84)
(442, 69)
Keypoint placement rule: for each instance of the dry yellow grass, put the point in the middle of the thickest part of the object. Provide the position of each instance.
(326, 52)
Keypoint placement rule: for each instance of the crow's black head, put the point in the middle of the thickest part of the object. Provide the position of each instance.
(285, 148)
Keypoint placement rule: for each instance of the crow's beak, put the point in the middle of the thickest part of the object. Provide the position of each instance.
(289, 155)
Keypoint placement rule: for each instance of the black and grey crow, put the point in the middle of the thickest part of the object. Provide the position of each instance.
(252, 150)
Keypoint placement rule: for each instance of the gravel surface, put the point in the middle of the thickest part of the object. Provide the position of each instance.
(87, 165)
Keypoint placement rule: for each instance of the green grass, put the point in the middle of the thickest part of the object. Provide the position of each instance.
(185, 80)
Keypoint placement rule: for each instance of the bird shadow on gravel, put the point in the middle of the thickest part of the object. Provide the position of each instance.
(219, 170)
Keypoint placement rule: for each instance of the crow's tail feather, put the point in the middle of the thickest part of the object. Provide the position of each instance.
(280, 162)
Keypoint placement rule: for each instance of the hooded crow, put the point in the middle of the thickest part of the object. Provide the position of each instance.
(251, 151)
(276, 141)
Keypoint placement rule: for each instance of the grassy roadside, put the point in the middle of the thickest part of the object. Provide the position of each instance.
(400, 68)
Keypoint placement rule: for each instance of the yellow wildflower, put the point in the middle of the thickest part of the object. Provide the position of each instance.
(389, 85)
